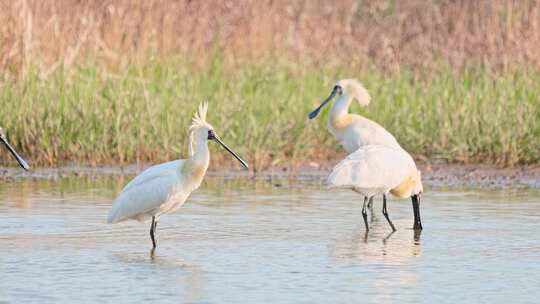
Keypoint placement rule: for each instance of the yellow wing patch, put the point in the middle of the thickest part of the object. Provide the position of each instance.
(404, 189)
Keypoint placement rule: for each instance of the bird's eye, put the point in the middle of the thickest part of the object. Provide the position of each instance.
(211, 134)
(338, 89)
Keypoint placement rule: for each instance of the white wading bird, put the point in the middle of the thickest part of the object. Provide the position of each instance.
(376, 169)
(165, 187)
(19, 159)
(351, 130)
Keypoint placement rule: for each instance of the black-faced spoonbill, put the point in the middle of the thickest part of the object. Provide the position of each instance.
(165, 187)
(19, 159)
(376, 169)
(351, 130)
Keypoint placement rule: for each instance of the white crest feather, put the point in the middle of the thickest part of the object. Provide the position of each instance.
(356, 89)
(198, 120)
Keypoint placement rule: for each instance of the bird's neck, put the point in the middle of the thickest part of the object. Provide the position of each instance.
(339, 115)
(197, 164)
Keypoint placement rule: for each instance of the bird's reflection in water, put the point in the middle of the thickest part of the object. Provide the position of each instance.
(378, 245)
(375, 251)
(17, 195)
(191, 278)
(388, 236)
(417, 234)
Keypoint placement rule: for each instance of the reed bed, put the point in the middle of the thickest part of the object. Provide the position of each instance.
(116, 82)
(141, 115)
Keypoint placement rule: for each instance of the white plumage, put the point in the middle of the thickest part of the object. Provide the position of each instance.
(362, 132)
(351, 130)
(165, 187)
(374, 170)
(376, 163)
(157, 190)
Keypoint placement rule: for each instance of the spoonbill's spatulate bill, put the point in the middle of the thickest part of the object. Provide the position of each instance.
(165, 187)
(376, 169)
(19, 159)
(351, 130)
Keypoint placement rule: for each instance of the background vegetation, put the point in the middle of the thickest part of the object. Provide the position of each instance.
(103, 82)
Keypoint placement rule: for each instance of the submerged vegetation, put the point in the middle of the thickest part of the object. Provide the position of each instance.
(141, 114)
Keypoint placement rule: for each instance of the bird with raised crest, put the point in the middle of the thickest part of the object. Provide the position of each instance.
(164, 188)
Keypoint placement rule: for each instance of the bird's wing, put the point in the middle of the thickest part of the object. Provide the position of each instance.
(368, 132)
(147, 192)
(152, 172)
(372, 167)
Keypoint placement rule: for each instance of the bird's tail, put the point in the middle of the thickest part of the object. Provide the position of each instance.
(113, 217)
(418, 187)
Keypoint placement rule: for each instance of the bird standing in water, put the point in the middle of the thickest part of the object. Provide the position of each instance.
(19, 159)
(354, 131)
(165, 187)
(374, 170)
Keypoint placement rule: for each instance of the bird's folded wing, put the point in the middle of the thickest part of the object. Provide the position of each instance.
(372, 167)
(143, 197)
(154, 171)
(368, 132)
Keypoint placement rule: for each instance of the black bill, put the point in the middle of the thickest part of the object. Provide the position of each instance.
(19, 159)
(243, 162)
(315, 112)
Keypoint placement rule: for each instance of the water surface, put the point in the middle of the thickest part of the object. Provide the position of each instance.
(245, 242)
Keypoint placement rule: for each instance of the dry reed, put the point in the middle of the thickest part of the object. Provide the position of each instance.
(387, 33)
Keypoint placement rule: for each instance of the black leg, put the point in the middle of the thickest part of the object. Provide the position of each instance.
(388, 236)
(417, 234)
(364, 213)
(153, 227)
(370, 207)
(416, 210)
(385, 212)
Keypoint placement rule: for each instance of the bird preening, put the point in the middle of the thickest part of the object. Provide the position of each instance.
(19, 159)
(376, 164)
(164, 188)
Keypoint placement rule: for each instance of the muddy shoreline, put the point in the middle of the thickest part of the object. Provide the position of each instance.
(435, 175)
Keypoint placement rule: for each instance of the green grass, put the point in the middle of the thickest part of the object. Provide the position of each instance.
(141, 113)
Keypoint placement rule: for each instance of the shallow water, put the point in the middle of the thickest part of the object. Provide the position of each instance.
(239, 242)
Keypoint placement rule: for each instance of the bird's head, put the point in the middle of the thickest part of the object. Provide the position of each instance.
(349, 87)
(200, 128)
(201, 132)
